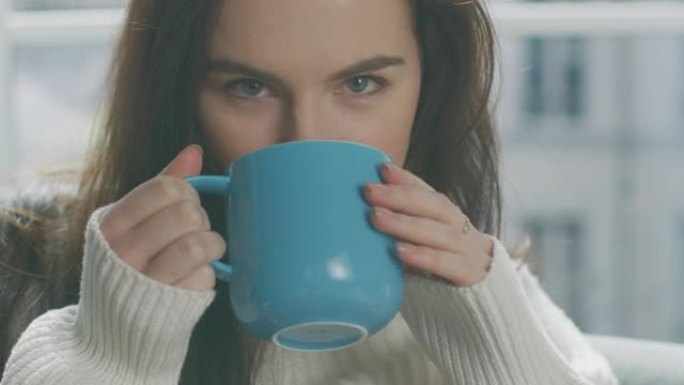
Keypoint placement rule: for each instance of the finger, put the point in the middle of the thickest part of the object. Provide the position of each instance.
(187, 163)
(454, 267)
(414, 200)
(141, 243)
(184, 256)
(417, 230)
(202, 279)
(391, 173)
(151, 196)
(144, 201)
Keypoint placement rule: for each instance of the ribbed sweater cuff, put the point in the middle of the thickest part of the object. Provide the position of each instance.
(130, 319)
(126, 329)
(485, 333)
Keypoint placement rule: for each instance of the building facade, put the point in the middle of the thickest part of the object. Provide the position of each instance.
(593, 156)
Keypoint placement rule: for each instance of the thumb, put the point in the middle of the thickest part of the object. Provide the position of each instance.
(188, 162)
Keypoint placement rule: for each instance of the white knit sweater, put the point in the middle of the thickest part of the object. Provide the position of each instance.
(129, 329)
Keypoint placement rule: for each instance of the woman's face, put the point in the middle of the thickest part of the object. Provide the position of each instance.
(290, 70)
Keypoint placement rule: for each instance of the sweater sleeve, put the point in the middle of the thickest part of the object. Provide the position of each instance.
(126, 328)
(501, 330)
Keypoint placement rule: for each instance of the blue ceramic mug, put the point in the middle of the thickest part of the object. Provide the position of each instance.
(306, 268)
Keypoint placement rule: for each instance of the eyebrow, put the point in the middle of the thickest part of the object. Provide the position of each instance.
(376, 63)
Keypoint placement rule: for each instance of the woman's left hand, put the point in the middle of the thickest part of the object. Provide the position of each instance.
(431, 231)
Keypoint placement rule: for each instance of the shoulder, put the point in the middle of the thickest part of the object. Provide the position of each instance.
(34, 221)
(39, 194)
(32, 210)
(34, 272)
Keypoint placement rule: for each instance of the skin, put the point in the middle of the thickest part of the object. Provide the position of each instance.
(289, 70)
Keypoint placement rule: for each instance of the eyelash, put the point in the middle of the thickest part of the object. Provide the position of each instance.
(381, 83)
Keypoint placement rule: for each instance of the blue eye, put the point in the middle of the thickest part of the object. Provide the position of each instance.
(252, 89)
(360, 85)
(246, 88)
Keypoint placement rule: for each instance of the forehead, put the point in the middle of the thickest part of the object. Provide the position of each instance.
(276, 32)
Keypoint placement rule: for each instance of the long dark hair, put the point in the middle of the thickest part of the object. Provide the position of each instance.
(155, 74)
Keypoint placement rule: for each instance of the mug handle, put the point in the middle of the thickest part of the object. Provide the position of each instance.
(215, 185)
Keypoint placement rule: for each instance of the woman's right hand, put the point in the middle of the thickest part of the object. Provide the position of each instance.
(161, 230)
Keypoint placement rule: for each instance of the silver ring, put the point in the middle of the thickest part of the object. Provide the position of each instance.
(466, 226)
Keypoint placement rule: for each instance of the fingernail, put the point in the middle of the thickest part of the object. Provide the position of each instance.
(381, 212)
(405, 247)
(377, 188)
(391, 167)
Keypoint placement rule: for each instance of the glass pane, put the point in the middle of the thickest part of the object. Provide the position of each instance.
(559, 244)
(593, 148)
(56, 91)
(38, 5)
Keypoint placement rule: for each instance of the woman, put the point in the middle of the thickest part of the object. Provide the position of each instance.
(196, 85)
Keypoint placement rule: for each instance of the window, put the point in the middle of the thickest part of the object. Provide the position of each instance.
(53, 62)
(681, 85)
(679, 268)
(559, 248)
(56, 90)
(555, 81)
(591, 121)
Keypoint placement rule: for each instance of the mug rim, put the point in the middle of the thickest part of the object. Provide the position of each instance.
(229, 169)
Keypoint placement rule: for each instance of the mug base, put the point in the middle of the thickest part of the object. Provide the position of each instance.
(320, 336)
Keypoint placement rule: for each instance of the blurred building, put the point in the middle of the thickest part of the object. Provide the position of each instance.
(65, 4)
(593, 155)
